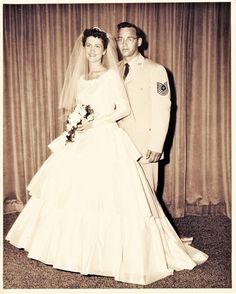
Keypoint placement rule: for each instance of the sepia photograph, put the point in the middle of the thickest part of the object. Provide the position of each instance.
(116, 146)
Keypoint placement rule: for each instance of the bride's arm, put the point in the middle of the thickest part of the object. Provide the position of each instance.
(121, 103)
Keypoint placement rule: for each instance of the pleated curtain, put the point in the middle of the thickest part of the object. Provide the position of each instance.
(192, 41)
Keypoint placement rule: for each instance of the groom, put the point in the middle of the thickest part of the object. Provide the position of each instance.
(148, 90)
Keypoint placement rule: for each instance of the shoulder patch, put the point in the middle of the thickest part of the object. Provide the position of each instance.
(162, 89)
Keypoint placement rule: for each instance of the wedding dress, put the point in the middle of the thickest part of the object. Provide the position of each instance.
(92, 210)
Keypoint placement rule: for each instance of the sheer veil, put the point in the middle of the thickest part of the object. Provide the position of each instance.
(78, 66)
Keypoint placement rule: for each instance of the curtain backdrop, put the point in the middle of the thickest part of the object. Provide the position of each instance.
(192, 40)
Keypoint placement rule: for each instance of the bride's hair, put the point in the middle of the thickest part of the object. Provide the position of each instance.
(97, 33)
(78, 64)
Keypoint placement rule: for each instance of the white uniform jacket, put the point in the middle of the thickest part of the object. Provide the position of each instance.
(148, 90)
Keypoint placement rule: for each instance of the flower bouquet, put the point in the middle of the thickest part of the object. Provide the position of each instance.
(81, 112)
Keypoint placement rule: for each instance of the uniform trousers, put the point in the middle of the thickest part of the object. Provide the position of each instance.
(151, 173)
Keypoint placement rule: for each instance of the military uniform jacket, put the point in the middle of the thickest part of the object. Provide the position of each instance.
(148, 91)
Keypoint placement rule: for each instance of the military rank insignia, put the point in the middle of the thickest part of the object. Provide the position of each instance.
(162, 89)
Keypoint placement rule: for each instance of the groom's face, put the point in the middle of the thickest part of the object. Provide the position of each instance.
(128, 42)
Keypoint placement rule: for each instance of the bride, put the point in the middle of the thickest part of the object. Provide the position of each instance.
(92, 210)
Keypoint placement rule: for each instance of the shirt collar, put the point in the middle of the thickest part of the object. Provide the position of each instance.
(137, 60)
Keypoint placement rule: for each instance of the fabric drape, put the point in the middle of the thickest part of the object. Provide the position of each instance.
(192, 40)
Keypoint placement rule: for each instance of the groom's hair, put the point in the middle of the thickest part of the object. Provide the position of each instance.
(126, 24)
(140, 34)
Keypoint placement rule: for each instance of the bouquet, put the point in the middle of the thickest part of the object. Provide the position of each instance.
(81, 112)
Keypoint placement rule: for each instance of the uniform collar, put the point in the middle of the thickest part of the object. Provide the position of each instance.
(136, 61)
(136, 65)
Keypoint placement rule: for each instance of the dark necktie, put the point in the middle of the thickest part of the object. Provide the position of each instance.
(126, 71)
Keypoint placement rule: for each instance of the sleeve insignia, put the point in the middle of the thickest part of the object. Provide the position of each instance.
(162, 89)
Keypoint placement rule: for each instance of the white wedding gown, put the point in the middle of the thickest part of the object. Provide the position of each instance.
(92, 210)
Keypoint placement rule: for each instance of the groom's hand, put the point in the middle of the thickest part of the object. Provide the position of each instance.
(153, 156)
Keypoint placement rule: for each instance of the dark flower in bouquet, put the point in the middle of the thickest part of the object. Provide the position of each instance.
(81, 112)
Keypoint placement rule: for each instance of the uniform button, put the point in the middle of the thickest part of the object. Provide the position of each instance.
(141, 89)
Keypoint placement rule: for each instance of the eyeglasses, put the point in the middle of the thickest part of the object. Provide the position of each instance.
(128, 40)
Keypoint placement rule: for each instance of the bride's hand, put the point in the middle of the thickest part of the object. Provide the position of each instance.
(84, 126)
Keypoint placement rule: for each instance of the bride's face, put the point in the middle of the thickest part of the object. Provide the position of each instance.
(94, 49)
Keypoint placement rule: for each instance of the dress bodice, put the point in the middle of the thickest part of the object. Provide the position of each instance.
(106, 95)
